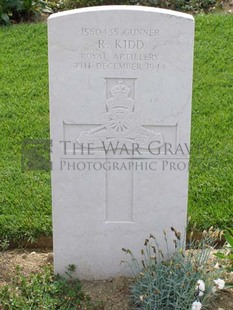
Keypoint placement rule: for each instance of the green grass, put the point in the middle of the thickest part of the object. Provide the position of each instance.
(211, 175)
(25, 199)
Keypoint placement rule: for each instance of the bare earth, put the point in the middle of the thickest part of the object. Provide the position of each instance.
(114, 293)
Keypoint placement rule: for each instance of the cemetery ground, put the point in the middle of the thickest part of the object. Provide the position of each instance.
(112, 294)
(25, 193)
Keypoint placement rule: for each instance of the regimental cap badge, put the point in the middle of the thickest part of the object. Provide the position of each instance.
(120, 90)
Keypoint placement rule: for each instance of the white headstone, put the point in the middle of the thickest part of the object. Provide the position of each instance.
(120, 94)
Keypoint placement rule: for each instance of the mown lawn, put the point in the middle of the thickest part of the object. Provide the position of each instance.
(211, 174)
(25, 199)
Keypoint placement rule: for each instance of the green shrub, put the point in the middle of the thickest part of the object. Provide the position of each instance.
(22, 10)
(182, 5)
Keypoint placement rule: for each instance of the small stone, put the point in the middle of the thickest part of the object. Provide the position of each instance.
(33, 253)
(24, 256)
(49, 258)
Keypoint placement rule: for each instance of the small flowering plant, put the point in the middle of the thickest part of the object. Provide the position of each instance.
(182, 280)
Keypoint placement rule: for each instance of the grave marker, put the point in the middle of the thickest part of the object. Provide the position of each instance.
(120, 97)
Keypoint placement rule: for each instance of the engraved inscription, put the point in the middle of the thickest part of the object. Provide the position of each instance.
(93, 56)
(151, 32)
(134, 56)
(119, 120)
(120, 49)
(130, 44)
(120, 66)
